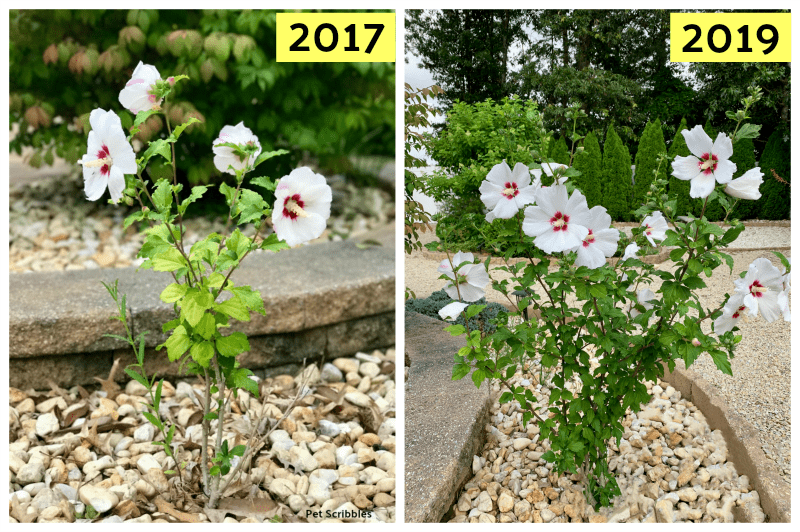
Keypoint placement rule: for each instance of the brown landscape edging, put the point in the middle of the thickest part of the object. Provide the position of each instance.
(744, 449)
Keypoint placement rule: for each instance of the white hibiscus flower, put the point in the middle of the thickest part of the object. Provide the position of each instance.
(302, 206)
(226, 157)
(109, 157)
(708, 163)
(138, 94)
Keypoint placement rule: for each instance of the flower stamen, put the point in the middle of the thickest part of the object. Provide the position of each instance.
(293, 207)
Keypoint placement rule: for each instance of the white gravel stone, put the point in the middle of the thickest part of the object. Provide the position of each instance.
(98, 498)
(146, 462)
(46, 424)
(145, 433)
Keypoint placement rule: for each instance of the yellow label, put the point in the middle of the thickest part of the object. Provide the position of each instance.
(335, 37)
(730, 37)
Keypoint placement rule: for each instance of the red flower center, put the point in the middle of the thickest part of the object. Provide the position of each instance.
(290, 205)
(589, 239)
(559, 221)
(102, 154)
(708, 163)
(736, 314)
(757, 289)
(511, 190)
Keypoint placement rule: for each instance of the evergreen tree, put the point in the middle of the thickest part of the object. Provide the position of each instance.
(775, 202)
(679, 187)
(590, 163)
(616, 187)
(560, 152)
(650, 146)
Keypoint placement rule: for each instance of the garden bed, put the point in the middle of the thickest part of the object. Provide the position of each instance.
(88, 457)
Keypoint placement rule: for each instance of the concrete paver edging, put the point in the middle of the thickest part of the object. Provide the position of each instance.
(444, 421)
(320, 300)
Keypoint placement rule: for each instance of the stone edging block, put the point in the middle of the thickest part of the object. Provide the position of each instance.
(744, 449)
(444, 421)
(59, 313)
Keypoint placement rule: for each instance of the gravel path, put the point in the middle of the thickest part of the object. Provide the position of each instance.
(331, 460)
(760, 389)
(53, 227)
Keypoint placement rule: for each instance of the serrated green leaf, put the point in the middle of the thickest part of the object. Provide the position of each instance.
(233, 345)
(478, 377)
(251, 298)
(250, 206)
(264, 182)
(169, 261)
(273, 243)
(206, 327)
(197, 193)
(162, 195)
(202, 353)
(474, 310)
(137, 216)
(238, 243)
(176, 133)
(233, 307)
(240, 378)
(597, 290)
(170, 325)
(157, 147)
(173, 293)
(460, 371)
(676, 254)
(194, 305)
(177, 344)
(268, 155)
(238, 450)
(228, 192)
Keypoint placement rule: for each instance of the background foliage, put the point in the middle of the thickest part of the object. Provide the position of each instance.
(68, 62)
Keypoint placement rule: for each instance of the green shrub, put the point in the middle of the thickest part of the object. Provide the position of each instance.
(679, 187)
(590, 163)
(68, 62)
(431, 305)
(616, 187)
(651, 145)
(477, 137)
(775, 202)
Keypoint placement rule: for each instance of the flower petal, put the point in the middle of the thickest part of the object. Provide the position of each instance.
(697, 141)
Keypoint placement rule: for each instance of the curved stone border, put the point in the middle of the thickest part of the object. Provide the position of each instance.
(744, 449)
(444, 421)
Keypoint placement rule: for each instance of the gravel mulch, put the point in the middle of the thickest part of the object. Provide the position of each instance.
(80, 456)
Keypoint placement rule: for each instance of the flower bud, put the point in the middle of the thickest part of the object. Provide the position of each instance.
(145, 209)
(129, 201)
(50, 55)
(696, 342)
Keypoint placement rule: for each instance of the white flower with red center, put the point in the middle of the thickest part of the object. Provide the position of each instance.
(731, 314)
(643, 297)
(746, 186)
(708, 163)
(470, 278)
(655, 227)
(226, 159)
(139, 92)
(109, 157)
(558, 223)
(760, 287)
(601, 242)
(451, 311)
(302, 206)
(505, 192)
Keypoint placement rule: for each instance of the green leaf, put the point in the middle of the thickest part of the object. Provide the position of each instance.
(233, 307)
(162, 195)
(206, 327)
(142, 116)
(197, 193)
(179, 129)
(157, 147)
(676, 254)
(731, 234)
(177, 344)
(455, 330)
(228, 192)
(251, 298)
(264, 182)
(137, 216)
(747, 131)
(273, 243)
(238, 243)
(135, 376)
(597, 290)
(722, 362)
(238, 450)
(169, 261)
(240, 378)
(250, 206)
(173, 293)
(152, 419)
(202, 353)
(478, 377)
(230, 346)
(157, 400)
(460, 371)
(269, 155)
(474, 310)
